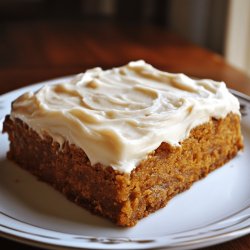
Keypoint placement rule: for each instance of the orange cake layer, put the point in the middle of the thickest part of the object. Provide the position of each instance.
(125, 197)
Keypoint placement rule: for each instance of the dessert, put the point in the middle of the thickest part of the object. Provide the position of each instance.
(123, 142)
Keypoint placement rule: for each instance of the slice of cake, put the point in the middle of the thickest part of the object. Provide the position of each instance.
(123, 142)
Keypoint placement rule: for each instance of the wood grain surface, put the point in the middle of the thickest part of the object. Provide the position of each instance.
(35, 51)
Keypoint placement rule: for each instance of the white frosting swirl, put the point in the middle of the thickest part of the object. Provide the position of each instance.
(120, 115)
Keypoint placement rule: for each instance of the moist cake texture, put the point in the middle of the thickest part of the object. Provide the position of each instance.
(123, 142)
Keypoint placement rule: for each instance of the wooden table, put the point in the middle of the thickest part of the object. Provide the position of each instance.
(35, 51)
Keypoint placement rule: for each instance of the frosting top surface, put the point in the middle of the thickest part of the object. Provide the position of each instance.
(120, 115)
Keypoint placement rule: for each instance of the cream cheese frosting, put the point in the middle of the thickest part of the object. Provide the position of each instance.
(118, 116)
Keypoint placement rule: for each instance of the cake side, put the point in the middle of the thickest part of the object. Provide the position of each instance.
(66, 168)
(125, 198)
(171, 170)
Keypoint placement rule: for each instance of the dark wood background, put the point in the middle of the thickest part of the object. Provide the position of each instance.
(36, 50)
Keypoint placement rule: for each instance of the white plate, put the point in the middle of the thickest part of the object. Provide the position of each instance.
(214, 210)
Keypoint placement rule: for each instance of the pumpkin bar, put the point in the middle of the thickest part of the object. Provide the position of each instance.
(122, 142)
